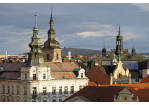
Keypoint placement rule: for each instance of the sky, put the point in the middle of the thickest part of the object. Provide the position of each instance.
(78, 25)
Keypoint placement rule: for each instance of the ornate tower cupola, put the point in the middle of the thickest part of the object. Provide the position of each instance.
(51, 49)
(119, 43)
(114, 60)
(133, 50)
(104, 51)
(35, 55)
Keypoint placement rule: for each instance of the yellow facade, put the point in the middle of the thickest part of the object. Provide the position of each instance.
(120, 76)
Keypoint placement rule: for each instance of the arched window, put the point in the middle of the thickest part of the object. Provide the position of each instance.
(119, 75)
(48, 56)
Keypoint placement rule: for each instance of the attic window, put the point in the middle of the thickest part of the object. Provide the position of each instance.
(81, 75)
(125, 98)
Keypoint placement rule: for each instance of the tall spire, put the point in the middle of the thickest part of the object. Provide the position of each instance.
(51, 20)
(119, 28)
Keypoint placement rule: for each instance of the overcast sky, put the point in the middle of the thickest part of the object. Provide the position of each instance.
(85, 25)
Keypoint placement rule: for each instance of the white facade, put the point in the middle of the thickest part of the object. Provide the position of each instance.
(37, 85)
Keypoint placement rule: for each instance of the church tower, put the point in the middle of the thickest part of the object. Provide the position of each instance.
(133, 50)
(119, 43)
(51, 49)
(35, 55)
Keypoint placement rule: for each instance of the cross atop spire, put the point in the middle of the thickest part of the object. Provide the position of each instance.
(35, 18)
(104, 45)
(51, 20)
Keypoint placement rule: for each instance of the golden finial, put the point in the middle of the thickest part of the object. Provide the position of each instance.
(51, 7)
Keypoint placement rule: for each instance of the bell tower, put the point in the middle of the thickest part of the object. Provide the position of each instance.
(51, 49)
(35, 55)
(119, 43)
(133, 50)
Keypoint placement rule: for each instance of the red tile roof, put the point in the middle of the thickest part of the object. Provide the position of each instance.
(145, 80)
(105, 93)
(98, 74)
(92, 84)
(61, 66)
(101, 94)
(63, 75)
(10, 75)
(12, 66)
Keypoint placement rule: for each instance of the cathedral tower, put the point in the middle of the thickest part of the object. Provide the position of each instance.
(35, 55)
(119, 43)
(51, 49)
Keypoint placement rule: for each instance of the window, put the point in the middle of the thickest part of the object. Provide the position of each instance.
(119, 83)
(44, 100)
(12, 89)
(3, 99)
(17, 100)
(66, 90)
(54, 100)
(57, 56)
(44, 76)
(3, 89)
(125, 98)
(25, 90)
(48, 56)
(72, 89)
(17, 89)
(8, 100)
(60, 90)
(8, 89)
(81, 75)
(34, 92)
(12, 100)
(25, 76)
(44, 90)
(53, 90)
(136, 80)
(25, 100)
(34, 76)
(119, 75)
(60, 100)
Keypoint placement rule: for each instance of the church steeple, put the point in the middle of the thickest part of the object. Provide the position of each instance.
(35, 55)
(119, 43)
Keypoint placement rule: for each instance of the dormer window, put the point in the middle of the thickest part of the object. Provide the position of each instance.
(44, 76)
(25, 76)
(34, 76)
(81, 75)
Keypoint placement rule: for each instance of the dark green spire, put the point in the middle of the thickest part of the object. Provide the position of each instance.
(35, 55)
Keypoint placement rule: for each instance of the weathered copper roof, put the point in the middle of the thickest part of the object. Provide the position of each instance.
(61, 66)
(10, 75)
(12, 66)
(63, 75)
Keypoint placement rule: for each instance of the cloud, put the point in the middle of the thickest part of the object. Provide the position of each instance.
(143, 6)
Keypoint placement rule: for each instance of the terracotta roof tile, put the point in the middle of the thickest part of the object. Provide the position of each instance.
(61, 66)
(10, 75)
(92, 84)
(63, 75)
(98, 74)
(101, 94)
(145, 80)
(12, 66)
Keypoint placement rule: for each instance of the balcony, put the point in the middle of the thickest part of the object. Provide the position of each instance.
(33, 79)
(34, 96)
